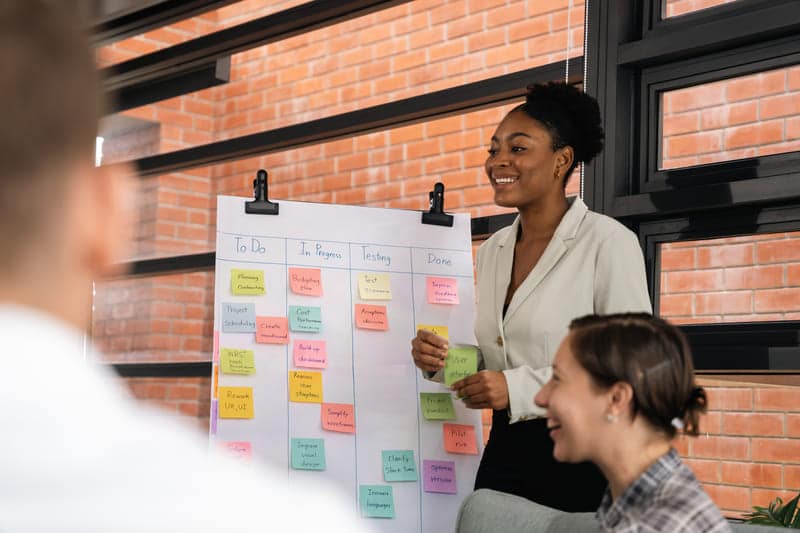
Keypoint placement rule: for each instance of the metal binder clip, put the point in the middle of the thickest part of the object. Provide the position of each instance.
(436, 215)
(261, 205)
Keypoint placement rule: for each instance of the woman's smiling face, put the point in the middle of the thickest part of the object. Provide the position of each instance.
(576, 408)
(522, 165)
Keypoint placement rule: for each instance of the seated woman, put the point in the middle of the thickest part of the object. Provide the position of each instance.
(622, 386)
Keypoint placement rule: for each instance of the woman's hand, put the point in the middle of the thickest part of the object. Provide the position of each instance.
(486, 389)
(428, 351)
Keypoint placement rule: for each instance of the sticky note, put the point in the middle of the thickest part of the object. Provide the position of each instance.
(460, 438)
(377, 286)
(308, 454)
(310, 354)
(272, 330)
(305, 319)
(436, 330)
(236, 402)
(215, 353)
(376, 501)
(305, 281)
(238, 449)
(236, 361)
(439, 476)
(238, 318)
(305, 386)
(213, 422)
(338, 417)
(442, 290)
(247, 282)
(399, 465)
(216, 381)
(462, 361)
(371, 317)
(437, 405)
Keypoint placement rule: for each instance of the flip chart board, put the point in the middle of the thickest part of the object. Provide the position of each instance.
(326, 298)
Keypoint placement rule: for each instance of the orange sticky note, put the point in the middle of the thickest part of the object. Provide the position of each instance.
(305, 386)
(216, 381)
(306, 281)
(310, 354)
(442, 290)
(372, 317)
(338, 417)
(460, 438)
(236, 402)
(272, 330)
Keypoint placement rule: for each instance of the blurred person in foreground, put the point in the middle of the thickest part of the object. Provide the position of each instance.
(76, 453)
(622, 387)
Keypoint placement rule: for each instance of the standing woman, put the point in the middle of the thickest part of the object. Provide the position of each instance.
(622, 387)
(556, 262)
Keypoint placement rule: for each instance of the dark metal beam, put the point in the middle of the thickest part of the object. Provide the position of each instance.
(120, 25)
(470, 97)
(191, 54)
(169, 265)
(138, 94)
(188, 369)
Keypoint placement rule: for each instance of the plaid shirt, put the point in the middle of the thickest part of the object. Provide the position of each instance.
(667, 497)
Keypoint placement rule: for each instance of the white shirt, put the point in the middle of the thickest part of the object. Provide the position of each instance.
(77, 454)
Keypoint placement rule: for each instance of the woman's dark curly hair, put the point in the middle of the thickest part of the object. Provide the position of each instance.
(571, 116)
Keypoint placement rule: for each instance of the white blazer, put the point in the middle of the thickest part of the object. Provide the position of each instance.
(592, 264)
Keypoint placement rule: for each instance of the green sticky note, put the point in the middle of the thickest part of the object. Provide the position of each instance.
(305, 319)
(247, 282)
(376, 501)
(437, 405)
(462, 361)
(235, 361)
(308, 454)
(399, 465)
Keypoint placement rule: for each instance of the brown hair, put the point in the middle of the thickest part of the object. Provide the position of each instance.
(50, 103)
(651, 355)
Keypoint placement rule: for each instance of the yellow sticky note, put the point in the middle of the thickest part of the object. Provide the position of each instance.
(248, 282)
(236, 402)
(374, 286)
(236, 361)
(436, 330)
(305, 386)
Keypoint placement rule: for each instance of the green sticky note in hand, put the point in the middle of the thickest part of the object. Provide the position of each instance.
(437, 405)
(462, 361)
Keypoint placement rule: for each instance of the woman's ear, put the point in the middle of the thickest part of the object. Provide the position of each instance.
(620, 398)
(564, 158)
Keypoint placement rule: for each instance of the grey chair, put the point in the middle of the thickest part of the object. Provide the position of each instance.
(489, 511)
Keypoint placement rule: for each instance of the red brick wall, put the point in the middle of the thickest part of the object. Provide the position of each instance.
(683, 7)
(752, 448)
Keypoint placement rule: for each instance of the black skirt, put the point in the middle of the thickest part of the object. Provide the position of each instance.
(518, 459)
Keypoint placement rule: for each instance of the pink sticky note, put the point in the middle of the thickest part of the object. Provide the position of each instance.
(239, 449)
(215, 355)
(460, 438)
(338, 417)
(439, 476)
(272, 330)
(306, 281)
(442, 290)
(310, 354)
(371, 317)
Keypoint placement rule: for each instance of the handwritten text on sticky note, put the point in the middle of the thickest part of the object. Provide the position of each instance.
(305, 386)
(461, 361)
(439, 476)
(338, 417)
(376, 501)
(247, 282)
(306, 281)
(436, 330)
(236, 402)
(442, 290)
(371, 317)
(308, 454)
(272, 330)
(305, 319)
(238, 318)
(399, 465)
(374, 286)
(310, 354)
(239, 450)
(437, 405)
(236, 361)
(460, 438)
